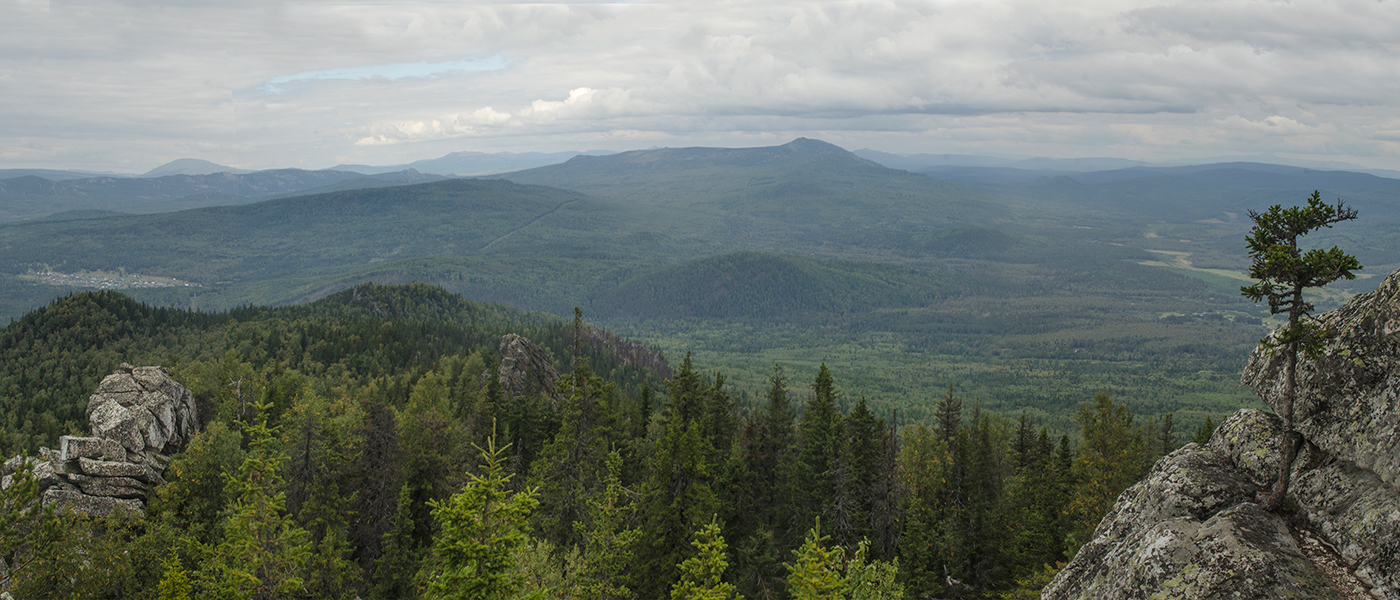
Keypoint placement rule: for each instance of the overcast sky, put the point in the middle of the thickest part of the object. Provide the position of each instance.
(127, 86)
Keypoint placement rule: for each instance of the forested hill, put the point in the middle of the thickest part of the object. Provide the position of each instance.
(52, 358)
(358, 446)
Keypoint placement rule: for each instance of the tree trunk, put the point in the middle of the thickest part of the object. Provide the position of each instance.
(1290, 439)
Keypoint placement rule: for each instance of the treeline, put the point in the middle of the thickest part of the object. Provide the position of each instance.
(385, 465)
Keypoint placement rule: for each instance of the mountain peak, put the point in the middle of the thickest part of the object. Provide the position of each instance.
(190, 166)
(811, 146)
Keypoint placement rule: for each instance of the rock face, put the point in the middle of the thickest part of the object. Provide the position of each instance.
(1192, 529)
(143, 409)
(137, 416)
(526, 370)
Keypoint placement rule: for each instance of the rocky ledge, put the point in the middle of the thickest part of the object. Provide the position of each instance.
(1193, 528)
(138, 416)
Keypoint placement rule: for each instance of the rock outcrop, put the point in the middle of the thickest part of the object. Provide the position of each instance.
(526, 370)
(138, 416)
(1193, 528)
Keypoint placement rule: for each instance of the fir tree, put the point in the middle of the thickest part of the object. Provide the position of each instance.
(1284, 271)
(480, 528)
(815, 572)
(702, 574)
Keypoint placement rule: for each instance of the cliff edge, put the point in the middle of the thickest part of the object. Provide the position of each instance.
(1193, 527)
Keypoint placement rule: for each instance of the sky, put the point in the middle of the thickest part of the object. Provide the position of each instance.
(127, 86)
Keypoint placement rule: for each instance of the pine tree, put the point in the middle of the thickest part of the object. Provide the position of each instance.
(1109, 460)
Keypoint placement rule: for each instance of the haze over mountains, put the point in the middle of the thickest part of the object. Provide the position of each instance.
(1032, 287)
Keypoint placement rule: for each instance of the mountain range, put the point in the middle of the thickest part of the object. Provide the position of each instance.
(1030, 291)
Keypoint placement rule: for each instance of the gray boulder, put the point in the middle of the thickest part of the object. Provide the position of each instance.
(1190, 530)
(143, 409)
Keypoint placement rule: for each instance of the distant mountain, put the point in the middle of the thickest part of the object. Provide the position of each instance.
(476, 163)
(190, 166)
(814, 189)
(30, 196)
(54, 174)
(918, 162)
(922, 162)
(287, 236)
(1248, 175)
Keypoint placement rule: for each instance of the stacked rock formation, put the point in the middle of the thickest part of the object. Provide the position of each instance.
(526, 370)
(1194, 529)
(138, 416)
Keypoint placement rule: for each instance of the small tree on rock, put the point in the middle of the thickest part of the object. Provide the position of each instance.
(1284, 271)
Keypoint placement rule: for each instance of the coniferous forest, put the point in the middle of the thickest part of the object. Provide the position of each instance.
(361, 446)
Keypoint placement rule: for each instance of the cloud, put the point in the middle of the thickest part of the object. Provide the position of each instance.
(273, 83)
(420, 69)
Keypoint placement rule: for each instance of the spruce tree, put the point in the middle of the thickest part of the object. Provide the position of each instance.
(679, 495)
(815, 572)
(398, 565)
(609, 540)
(769, 492)
(949, 415)
(1109, 460)
(820, 437)
(264, 552)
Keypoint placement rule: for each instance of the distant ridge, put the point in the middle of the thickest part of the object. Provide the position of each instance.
(475, 163)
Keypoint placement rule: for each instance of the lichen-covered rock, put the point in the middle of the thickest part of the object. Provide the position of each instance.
(105, 468)
(1347, 399)
(72, 448)
(1359, 515)
(137, 416)
(143, 409)
(92, 506)
(526, 370)
(1190, 530)
(111, 487)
